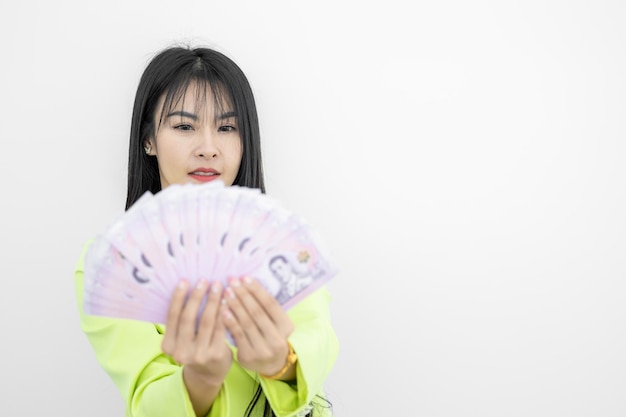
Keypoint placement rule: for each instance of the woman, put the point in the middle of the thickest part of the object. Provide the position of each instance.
(194, 120)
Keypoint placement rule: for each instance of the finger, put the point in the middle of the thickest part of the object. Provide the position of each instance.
(219, 330)
(230, 323)
(251, 315)
(235, 330)
(210, 316)
(274, 311)
(263, 297)
(188, 320)
(255, 350)
(241, 322)
(173, 313)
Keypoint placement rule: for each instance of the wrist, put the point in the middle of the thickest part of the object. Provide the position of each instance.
(290, 362)
(195, 377)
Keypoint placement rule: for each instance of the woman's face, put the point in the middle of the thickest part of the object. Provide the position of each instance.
(192, 145)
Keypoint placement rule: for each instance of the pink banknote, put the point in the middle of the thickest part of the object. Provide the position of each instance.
(195, 232)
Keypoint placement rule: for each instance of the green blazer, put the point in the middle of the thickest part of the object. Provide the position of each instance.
(151, 382)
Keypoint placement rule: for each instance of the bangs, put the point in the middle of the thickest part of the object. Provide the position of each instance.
(205, 88)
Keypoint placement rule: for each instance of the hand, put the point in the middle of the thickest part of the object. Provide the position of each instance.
(258, 324)
(199, 345)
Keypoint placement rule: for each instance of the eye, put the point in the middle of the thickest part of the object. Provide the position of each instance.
(183, 126)
(227, 128)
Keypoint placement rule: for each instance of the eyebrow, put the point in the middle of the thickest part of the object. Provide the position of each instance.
(193, 116)
(228, 115)
(183, 114)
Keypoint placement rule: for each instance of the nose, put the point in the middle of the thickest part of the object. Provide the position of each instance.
(207, 145)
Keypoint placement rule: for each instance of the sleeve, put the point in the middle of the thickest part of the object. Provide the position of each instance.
(317, 347)
(152, 385)
(129, 351)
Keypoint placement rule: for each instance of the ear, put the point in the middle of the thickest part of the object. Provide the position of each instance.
(148, 147)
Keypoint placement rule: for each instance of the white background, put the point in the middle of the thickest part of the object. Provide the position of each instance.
(463, 160)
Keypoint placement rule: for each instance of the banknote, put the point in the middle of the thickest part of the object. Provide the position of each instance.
(207, 231)
(298, 264)
(172, 219)
(119, 236)
(113, 286)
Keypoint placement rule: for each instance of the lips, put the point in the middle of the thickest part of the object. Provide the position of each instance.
(204, 174)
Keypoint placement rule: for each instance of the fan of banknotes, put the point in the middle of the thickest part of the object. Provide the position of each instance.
(200, 231)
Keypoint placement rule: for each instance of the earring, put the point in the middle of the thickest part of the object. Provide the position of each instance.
(147, 149)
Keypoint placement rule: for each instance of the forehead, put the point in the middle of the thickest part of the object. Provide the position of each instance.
(198, 97)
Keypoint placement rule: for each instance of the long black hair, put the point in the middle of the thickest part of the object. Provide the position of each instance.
(167, 76)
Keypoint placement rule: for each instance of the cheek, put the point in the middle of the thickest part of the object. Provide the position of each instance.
(169, 157)
(239, 149)
(237, 153)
